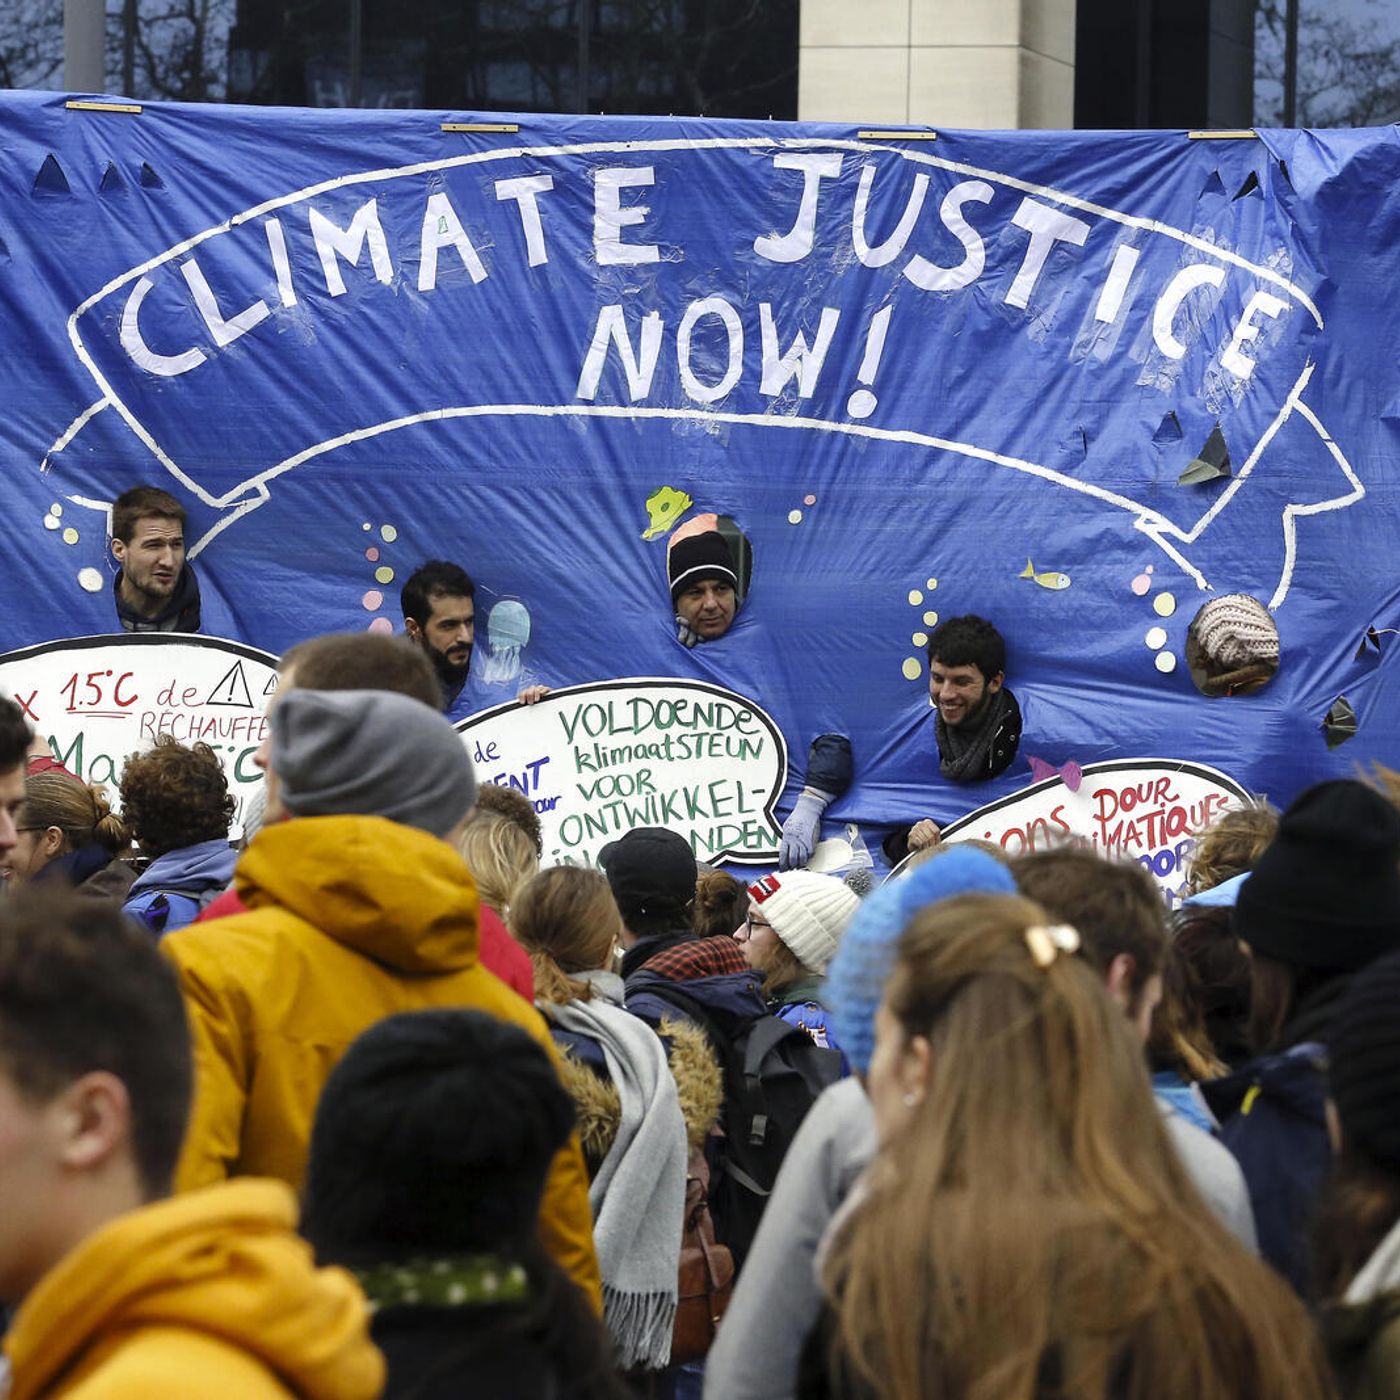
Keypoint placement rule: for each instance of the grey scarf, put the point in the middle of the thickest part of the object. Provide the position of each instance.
(638, 1196)
(965, 755)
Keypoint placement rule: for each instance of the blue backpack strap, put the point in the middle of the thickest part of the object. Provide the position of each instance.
(154, 909)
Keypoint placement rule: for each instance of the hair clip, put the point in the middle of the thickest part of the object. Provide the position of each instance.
(1047, 941)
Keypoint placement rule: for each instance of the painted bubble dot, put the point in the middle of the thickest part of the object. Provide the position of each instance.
(381, 624)
(913, 668)
(1164, 605)
(809, 500)
(372, 554)
(89, 580)
(794, 517)
(920, 639)
(373, 600)
(70, 536)
(51, 522)
(933, 583)
(56, 509)
(915, 597)
(388, 534)
(366, 526)
(1166, 662)
(930, 619)
(384, 574)
(1141, 584)
(1156, 638)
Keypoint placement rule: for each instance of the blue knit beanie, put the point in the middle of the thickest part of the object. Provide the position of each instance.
(855, 982)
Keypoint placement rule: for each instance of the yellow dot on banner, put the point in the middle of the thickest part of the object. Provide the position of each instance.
(51, 522)
(388, 534)
(1156, 638)
(55, 509)
(930, 619)
(920, 639)
(1164, 605)
(384, 574)
(89, 580)
(366, 526)
(933, 583)
(913, 668)
(70, 536)
(915, 597)
(794, 517)
(1166, 662)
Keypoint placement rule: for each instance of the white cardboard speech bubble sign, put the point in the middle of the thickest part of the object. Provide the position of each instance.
(1145, 808)
(598, 760)
(98, 700)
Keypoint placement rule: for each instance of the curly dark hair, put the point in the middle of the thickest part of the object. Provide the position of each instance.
(514, 807)
(175, 796)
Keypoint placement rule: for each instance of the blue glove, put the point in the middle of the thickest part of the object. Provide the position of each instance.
(802, 830)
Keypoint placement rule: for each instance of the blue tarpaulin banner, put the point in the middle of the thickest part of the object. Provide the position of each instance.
(1078, 383)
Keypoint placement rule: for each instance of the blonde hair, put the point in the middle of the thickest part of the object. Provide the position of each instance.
(500, 856)
(1230, 845)
(1031, 1221)
(79, 810)
(568, 921)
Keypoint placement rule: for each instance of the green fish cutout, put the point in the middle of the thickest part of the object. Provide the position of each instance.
(1053, 581)
(665, 506)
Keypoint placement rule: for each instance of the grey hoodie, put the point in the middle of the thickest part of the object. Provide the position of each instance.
(777, 1299)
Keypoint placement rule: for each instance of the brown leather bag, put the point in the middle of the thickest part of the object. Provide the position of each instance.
(706, 1275)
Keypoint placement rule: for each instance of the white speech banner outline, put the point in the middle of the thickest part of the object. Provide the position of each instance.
(1072, 819)
(236, 691)
(536, 738)
(1149, 522)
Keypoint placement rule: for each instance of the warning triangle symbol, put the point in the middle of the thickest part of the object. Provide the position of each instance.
(271, 684)
(232, 689)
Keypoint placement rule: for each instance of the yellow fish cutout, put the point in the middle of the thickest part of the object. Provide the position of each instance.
(665, 506)
(1047, 580)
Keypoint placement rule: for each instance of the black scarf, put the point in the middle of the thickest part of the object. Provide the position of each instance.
(974, 754)
(181, 613)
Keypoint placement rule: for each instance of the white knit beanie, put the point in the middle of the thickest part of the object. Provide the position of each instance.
(809, 912)
(1236, 630)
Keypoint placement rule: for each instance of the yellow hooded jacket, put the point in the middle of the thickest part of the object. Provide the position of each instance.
(350, 920)
(206, 1294)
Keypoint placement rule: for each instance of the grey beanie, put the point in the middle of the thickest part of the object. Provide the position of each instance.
(370, 753)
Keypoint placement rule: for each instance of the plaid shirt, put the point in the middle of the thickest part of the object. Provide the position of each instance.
(698, 957)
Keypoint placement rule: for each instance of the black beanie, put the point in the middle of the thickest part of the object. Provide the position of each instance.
(697, 557)
(433, 1135)
(1365, 1064)
(1325, 895)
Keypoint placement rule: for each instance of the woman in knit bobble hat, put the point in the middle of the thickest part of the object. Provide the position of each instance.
(794, 924)
(1232, 646)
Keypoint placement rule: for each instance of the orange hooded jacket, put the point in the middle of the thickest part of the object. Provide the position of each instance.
(206, 1294)
(350, 920)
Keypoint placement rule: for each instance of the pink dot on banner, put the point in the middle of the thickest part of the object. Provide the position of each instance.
(809, 500)
(373, 600)
(381, 624)
(1141, 584)
(372, 554)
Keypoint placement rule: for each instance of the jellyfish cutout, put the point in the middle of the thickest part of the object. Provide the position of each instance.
(507, 633)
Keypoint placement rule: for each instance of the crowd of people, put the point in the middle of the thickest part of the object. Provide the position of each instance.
(375, 1105)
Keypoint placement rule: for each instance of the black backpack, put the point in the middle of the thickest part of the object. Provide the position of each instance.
(773, 1072)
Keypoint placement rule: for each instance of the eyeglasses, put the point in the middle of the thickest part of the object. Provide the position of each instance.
(750, 923)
